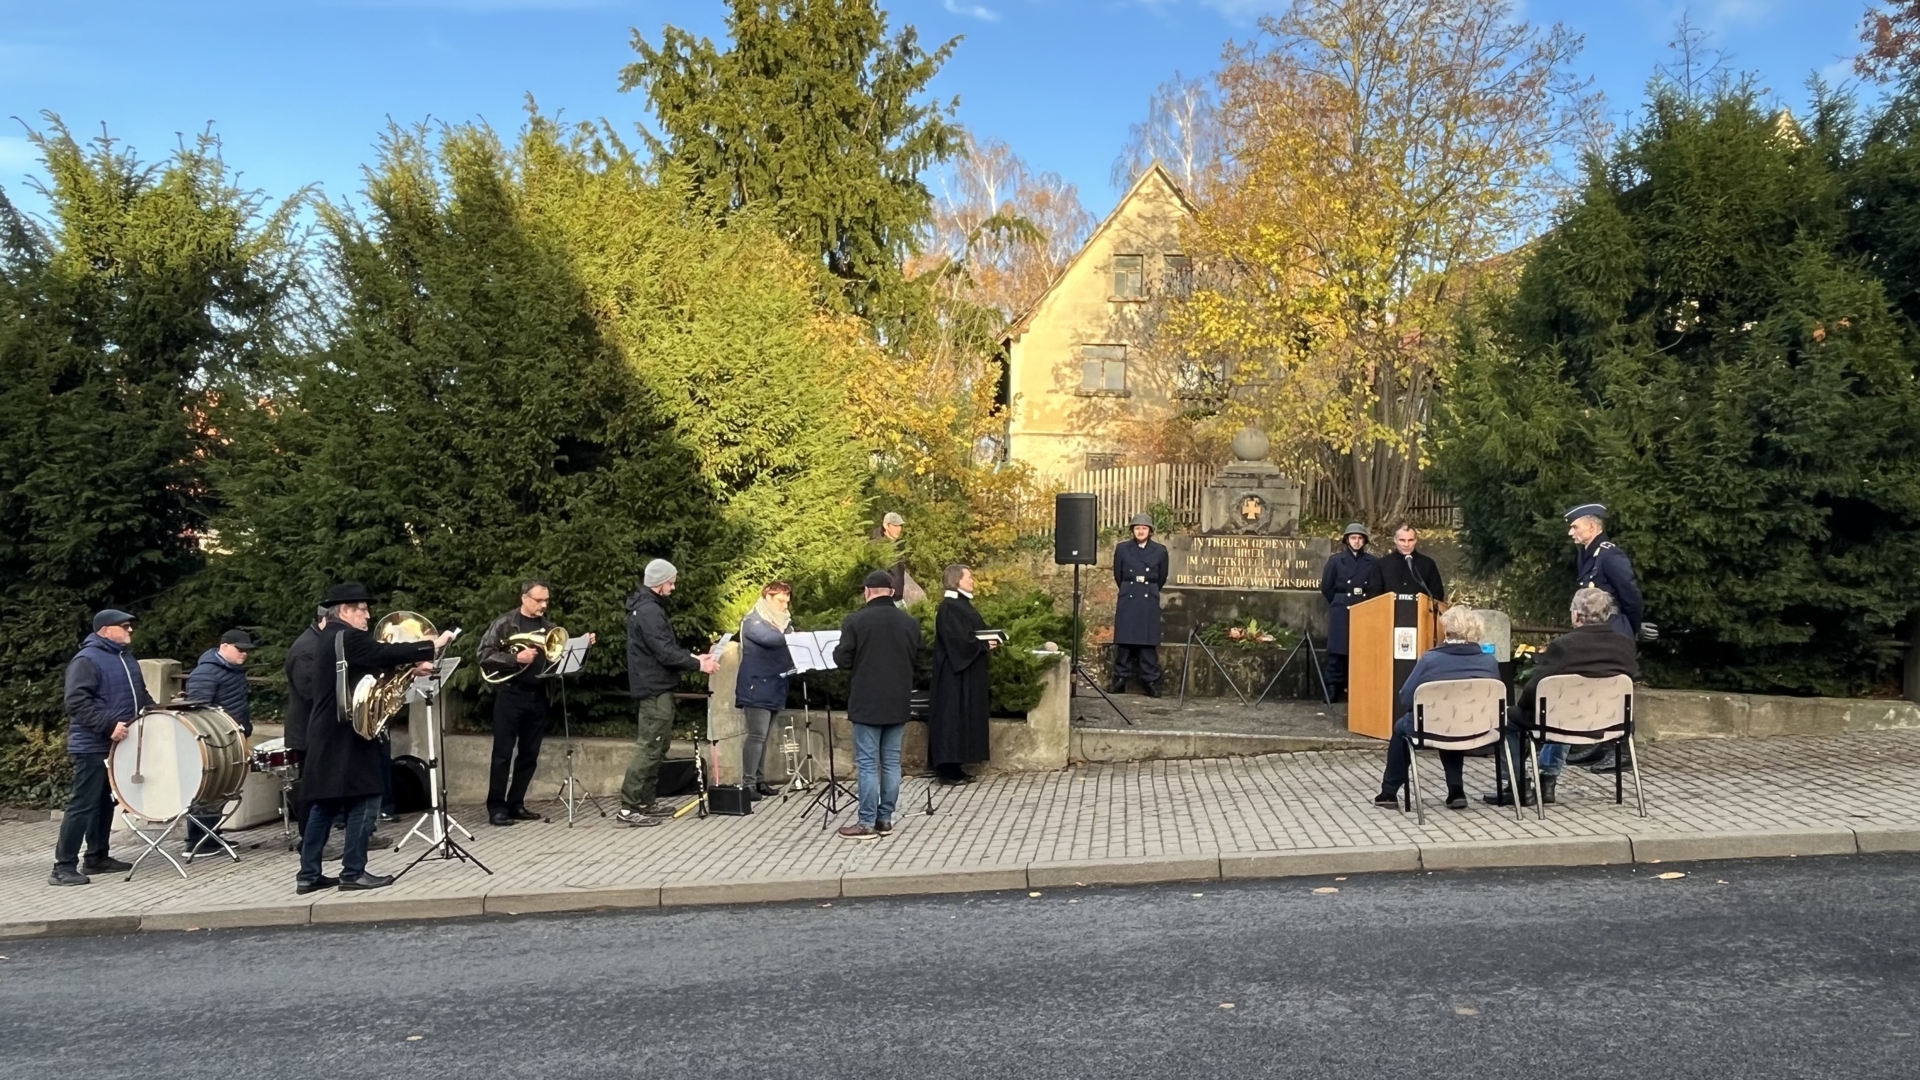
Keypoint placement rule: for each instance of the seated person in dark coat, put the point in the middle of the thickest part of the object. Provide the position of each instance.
(1459, 657)
(1594, 648)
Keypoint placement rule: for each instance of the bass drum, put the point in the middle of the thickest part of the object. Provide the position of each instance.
(173, 758)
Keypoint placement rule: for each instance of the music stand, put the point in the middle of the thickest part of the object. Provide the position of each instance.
(1313, 657)
(812, 650)
(439, 836)
(572, 792)
(1186, 669)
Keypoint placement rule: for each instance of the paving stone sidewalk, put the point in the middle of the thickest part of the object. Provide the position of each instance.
(1277, 815)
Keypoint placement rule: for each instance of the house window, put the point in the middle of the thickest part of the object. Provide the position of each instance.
(1096, 462)
(1128, 277)
(1179, 276)
(1103, 369)
(1203, 380)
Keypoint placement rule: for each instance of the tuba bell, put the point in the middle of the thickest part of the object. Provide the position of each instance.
(377, 699)
(551, 643)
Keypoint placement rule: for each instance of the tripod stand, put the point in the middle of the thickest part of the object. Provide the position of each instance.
(1313, 657)
(436, 825)
(1074, 657)
(1186, 669)
(829, 797)
(572, 791)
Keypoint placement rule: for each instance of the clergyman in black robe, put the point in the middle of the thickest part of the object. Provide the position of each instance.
(957, 721)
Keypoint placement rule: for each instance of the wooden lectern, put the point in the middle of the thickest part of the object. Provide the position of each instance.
(1385, 635)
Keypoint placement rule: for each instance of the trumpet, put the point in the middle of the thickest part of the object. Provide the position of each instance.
(378, 698)
(550, 643)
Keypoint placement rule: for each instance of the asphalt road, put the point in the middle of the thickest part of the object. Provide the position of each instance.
(1803, 968)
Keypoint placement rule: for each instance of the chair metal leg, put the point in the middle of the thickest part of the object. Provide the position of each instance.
(1619, 791)
(1413, 783)
(1633, 759)
(1506, 754)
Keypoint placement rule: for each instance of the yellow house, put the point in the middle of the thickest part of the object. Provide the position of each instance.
(1080, 364)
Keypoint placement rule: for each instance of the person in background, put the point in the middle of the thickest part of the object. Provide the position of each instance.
(218, 679)
(1407, 571)
(761, 688)
(1343, 583)
(105, 694)
(655, 660)
(957, 726)
(892, 532)
(1459, 657)
(1139, 570)
(880, 648)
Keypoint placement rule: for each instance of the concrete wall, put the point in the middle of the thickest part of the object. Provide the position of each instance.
(1052, 425)
(1692, 714)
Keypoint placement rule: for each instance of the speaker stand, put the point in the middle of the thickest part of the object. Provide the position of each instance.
(1074, 663)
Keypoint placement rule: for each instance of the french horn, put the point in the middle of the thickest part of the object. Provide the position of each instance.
(551, 643)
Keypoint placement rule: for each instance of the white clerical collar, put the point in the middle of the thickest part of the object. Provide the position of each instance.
(955, 594)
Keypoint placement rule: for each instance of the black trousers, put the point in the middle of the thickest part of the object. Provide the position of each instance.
(519, 724)
(89, 813)
(1334, 667)
(1137, 660)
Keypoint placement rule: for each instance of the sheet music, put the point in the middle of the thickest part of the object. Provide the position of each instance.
(572, 658)
(424, 687)
(812, 650)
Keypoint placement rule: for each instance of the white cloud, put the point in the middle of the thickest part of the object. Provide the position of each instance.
(973, 11)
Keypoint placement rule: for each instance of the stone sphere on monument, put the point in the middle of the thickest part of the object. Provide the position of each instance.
(1250, 444)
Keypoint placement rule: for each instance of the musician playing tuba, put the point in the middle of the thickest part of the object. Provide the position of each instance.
(344, 772)
(516, 650)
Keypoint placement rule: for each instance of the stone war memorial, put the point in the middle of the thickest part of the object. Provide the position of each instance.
(1247, 560)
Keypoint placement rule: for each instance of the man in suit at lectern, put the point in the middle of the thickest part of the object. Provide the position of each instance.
(1406, 571)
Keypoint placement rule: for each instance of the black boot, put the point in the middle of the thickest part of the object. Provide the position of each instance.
(1606, 760)
(1153, 689)
(1547, 783)
(1580, 755)
(1504, 797)
(1117, 686)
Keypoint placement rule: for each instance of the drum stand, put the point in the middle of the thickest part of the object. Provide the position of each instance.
(436, 825)
(154, 838)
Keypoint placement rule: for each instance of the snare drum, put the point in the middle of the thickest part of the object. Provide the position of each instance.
(173, 758)
(275, 758)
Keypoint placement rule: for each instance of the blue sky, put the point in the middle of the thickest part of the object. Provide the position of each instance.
(300, 89)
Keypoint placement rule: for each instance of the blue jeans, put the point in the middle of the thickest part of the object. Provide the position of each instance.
(1553, 756)
(362, 815)
(876, 764)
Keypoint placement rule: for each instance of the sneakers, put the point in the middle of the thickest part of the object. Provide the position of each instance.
(637, 819)
(883, 827)
(321, 882)
(857, 832)
(659, 809)
(365, 881)
(105, 864)
(65, 876)
(1387, 799)
(1456, 799)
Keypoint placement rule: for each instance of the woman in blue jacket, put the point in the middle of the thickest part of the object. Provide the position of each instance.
(1459, 657)
(762, 687)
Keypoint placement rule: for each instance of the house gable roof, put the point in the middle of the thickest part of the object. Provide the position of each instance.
(1154, 171)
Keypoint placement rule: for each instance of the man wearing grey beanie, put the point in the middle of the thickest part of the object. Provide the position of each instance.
(655, 660)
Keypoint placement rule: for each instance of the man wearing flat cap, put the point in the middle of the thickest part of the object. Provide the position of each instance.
(655, 659)
(1139, 569)
(105, 694)
(880, 649)
(344, 774)
(220, 680)
(1344, 584)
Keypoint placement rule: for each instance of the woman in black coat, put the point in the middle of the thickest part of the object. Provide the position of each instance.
(761, 690)
(957, 723)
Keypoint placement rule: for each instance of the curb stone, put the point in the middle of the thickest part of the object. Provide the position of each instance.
(1879, 838)
(78, 926)
(1314, 862)
(1529, 851)
(927, 882)
(399, 907)
(750, 891)
(1777, 843)
(229, 916)
(541, 901)
(1134, 870)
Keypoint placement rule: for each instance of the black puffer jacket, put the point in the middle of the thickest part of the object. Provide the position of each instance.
(655, 657)
(880, 645)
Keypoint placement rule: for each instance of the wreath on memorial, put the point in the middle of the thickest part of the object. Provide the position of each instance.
(1249, 634)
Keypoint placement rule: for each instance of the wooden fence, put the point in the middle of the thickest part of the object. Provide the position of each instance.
(1133, 489)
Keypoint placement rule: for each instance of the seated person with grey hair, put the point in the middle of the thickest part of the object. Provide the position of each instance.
(1459, 657)
(1593, 648)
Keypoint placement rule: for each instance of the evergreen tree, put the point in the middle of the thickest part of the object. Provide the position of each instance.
(817, 115)
(1695, 346)
(150, 282)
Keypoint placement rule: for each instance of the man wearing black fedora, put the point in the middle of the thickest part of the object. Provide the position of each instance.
(219, 679)
(341, 774)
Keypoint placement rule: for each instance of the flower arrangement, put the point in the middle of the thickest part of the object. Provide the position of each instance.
(1249, 633)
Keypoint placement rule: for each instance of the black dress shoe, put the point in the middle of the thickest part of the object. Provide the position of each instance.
(105, 864)
(764, 788)
(63, 876)
(1117, 686)
(1387, 799)
(1153, 689)
(1504, 797)
(753, 795)
(1606, 761)
(365, 881)
(521, 813)
(499, 817)
(321, 882)
(1456, 799)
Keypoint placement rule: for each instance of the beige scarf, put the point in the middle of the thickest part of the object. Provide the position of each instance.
(779, 620)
